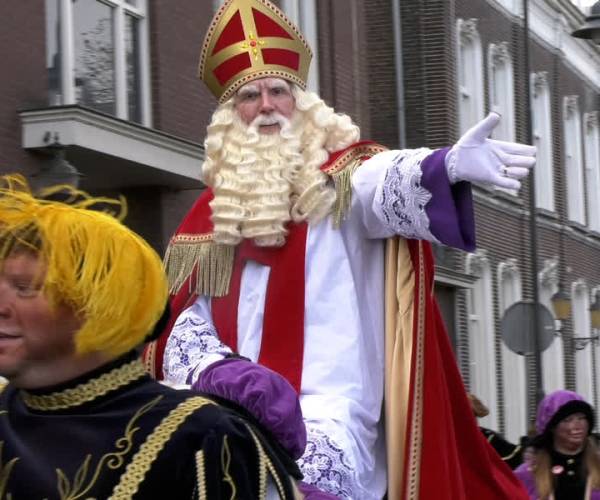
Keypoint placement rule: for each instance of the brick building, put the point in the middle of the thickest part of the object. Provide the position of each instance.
(111, 85)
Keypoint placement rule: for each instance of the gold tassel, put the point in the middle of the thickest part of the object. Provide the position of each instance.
(342, 181)
(213, 264)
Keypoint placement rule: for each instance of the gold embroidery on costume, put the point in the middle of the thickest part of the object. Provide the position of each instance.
(146, 455)
(264, 465)
(225, 463)
(112, 460)
(88, 391)
(5, 471)
(212, 263)
(417, 417)
(200, 479)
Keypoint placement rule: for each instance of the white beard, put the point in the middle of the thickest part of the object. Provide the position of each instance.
(254, 185)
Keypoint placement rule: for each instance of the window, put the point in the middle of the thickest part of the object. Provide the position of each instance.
(97, 54)
(470, 74)
(513, 365)
(542, 139)
(482, 357)
(553, 357)
(303, 13)
(501, 91)
(582, 328)
(592, 169)
(573, 159)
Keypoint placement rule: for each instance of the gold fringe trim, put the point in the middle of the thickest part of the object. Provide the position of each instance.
(343, 190)
(212, 263)
(146, 455)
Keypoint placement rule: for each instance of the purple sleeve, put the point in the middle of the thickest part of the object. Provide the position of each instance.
(523, 474)
(265, 394)
(450, 209)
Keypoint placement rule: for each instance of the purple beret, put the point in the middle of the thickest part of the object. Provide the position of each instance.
(263, 393)
(558, 405)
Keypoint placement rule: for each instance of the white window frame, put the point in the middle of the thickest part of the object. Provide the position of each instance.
(582, 328)
(542, 139)
(513, 365)
(303, 13)
(470, 73)
(553, 360)
(482, 353)
(67, 50)
(592, 168)
(501, 85)
(573, 159)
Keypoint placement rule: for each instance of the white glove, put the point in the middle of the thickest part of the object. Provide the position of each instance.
(475, 158)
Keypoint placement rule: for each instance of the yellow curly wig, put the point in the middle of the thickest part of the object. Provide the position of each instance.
(108, 274)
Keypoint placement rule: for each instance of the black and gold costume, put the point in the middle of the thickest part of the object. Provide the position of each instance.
(115, 434)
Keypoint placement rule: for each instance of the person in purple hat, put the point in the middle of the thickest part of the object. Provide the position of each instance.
(566, 460)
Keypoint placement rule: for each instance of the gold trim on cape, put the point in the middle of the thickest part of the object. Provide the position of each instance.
(141, 462)
(88, 391)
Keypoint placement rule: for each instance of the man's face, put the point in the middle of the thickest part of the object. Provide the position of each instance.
(33, 336)
(262, 101)
(571, 432)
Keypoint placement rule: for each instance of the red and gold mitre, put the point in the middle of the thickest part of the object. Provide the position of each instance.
(250, 39)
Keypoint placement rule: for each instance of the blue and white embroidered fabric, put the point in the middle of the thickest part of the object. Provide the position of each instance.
(325, 466)
(401, 199)
(191, 347)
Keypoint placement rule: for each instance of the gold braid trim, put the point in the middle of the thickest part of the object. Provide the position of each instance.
(88, 391)
(200, 475)
(515, 451)
(264, 465)
(141, 462)
(342, 170)
(213, 264)
(416, 438)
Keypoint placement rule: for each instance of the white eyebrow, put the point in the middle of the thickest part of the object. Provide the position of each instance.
(248, 88)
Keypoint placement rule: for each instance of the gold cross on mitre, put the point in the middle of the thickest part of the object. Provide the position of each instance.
(251, 39)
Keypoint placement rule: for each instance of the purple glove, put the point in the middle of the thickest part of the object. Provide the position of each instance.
(263, 393)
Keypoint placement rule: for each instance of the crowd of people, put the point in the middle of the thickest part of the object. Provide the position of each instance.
(297, 308)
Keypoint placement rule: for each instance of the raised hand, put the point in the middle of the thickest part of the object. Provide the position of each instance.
(477, 158)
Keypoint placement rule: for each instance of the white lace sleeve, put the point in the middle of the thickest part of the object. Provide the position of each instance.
(191, 347)
(389, 184)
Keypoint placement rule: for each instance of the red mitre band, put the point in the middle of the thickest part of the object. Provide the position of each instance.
(250, 39)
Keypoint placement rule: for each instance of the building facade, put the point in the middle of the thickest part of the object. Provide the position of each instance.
(110, 87)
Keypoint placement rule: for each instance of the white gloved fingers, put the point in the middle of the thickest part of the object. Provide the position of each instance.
(477, 134)
(515, 160)
(516, 172)
(506, 182)
(513, 147)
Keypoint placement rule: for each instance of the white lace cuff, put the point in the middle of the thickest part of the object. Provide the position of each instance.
(401, 199)
(450, 162)
(325, 465)
(191, 347)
